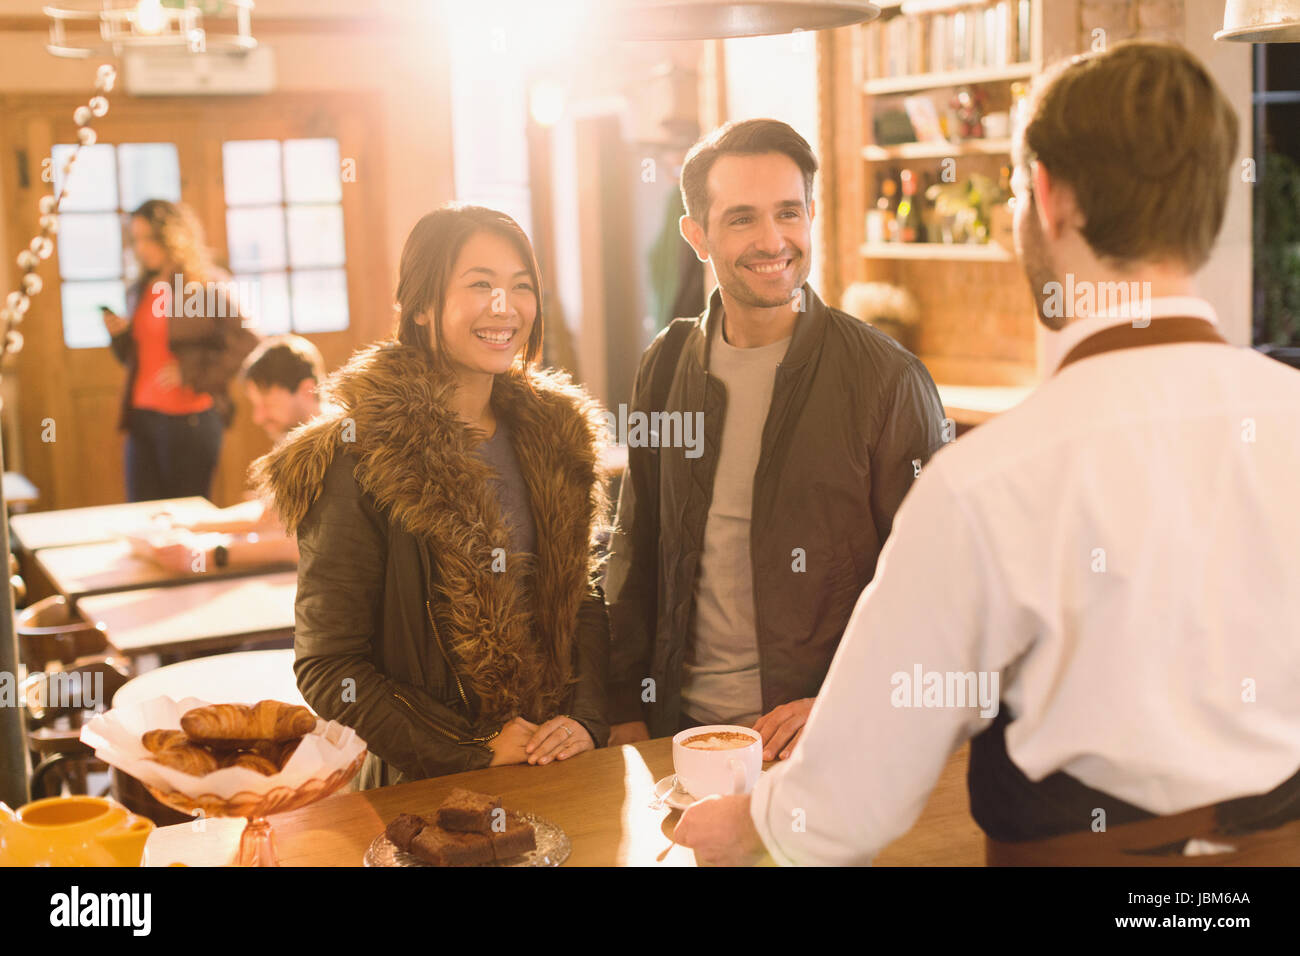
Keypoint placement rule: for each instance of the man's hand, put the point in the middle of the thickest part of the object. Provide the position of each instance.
(628, 733)
(180, 558)
(781, 727)
(720, 832)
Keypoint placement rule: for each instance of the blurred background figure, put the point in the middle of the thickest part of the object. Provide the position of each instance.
(280, 377)
(183, 342)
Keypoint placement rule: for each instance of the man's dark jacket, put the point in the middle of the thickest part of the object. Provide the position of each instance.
(851, 412)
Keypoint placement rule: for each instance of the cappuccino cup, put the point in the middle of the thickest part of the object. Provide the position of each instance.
(721, 759)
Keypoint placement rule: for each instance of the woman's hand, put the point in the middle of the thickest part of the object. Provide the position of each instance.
(557, 739)
(115, 324)
(508, 746)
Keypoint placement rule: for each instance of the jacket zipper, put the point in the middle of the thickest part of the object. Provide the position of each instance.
(428, 610)
(438, 727)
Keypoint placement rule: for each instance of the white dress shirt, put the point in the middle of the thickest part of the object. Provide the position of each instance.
(1122, 550)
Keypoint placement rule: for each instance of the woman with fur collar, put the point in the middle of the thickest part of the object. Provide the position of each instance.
(445, 506)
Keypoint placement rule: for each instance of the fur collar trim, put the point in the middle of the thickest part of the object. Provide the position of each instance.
(390, 408)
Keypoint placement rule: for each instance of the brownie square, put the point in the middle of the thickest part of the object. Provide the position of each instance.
(518, 837)
(443, 848)
(405, 829)
(468, 812)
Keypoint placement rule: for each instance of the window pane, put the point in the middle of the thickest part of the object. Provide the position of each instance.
(320, 301)
(315, 236)
(264, 299)
(130, 266)
(311, 170)
(93, 183)
(90, 246)
(148, 171)
(82, 326)
(255, 239)
(252, 171)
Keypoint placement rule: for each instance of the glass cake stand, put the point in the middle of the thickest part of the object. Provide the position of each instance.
(256, 846)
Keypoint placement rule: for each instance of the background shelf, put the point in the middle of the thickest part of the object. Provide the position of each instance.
(930, 81)
(942, 150)
(988, 252)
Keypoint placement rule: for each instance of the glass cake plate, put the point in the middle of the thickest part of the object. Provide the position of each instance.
(553, 848)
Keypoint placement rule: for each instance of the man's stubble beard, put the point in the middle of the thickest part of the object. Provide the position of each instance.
(735, 285)
(1039, 270)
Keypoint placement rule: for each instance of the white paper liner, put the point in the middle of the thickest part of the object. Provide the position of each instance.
(115, 735)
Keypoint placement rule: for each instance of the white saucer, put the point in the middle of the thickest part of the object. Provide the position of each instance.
(670, 794)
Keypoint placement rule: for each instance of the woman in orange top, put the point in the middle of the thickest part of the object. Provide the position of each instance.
(180, 352)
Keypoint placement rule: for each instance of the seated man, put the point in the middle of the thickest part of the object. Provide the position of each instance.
(280, 378)
(1117, 555)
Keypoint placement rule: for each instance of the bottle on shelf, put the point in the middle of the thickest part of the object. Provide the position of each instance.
(929, 211)
(882, 219)
(911, 226)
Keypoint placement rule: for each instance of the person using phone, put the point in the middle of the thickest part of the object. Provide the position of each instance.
(175, 404)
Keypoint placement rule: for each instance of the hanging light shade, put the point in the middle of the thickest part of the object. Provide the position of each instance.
(716, 19)
(82, 28)
(1261, 21)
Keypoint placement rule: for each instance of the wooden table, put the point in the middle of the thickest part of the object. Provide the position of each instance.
(18, 490)
(601, 799)
(80, 570)
(53, 529)
(205, 616)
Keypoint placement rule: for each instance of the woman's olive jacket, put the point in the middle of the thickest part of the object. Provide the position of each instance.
(415, 624)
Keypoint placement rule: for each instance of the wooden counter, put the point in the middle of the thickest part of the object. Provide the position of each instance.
(601, 799)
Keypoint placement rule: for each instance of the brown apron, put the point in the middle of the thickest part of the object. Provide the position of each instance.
(1158, 841)
(1155, 842)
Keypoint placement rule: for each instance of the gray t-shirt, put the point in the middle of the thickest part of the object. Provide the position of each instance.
(721, 682)
(511, 491)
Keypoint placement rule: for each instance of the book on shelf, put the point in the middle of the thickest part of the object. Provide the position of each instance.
(973, 36)
(1023, 27)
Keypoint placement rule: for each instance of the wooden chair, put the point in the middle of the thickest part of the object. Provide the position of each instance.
(56, 702)
(62, 653)
(51, 630)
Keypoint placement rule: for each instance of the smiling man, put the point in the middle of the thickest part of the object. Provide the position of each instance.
(733, 572)
(1116, 556)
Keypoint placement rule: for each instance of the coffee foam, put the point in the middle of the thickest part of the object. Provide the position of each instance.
(718, 740)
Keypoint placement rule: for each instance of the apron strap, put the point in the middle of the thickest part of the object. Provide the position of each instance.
(1162, 331)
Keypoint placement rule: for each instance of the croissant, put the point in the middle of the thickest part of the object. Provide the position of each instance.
(251, 761)
(187, 759)
(156, 741)
(238, 724)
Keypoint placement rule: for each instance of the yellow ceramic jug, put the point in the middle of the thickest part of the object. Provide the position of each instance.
(72, 831)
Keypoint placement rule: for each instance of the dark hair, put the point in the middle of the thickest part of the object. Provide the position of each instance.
(748, 138)
(427, 259)
(283, 360)
(1145, 139)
